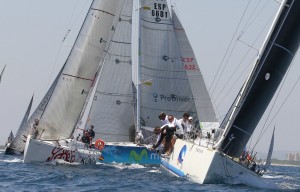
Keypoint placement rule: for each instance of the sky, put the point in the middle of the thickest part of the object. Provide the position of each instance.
(225, 35)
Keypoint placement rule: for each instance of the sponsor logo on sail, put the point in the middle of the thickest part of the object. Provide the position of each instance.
(170, 98)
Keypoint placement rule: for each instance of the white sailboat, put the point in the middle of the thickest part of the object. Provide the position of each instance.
(18, 143)
(61, 108)
(217, 160)
(167, 80)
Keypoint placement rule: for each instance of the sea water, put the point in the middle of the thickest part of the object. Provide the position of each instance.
(61, 176)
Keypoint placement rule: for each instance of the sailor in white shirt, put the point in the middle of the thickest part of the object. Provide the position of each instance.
(176, 123)
(184, 122)
(163, 118)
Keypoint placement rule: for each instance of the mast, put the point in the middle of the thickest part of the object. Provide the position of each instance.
(277, 54)
(138, 90)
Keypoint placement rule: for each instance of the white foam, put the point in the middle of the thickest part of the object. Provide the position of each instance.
(61, 161)
(14, 160)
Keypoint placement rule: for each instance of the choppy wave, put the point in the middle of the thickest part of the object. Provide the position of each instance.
(64, 176)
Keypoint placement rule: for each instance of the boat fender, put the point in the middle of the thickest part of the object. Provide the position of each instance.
(99, 144)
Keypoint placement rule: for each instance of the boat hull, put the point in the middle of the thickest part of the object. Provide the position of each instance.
(45, 151)
(128, 153)
(205, 165)
(10, 151)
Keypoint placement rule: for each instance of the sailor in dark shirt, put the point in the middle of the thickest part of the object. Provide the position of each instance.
(166, 133)
(91, 133)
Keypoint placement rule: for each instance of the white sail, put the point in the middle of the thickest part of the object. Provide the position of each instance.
(80, 70)
(165, 86)
(111, 112)
(18, 143)
(204, 106)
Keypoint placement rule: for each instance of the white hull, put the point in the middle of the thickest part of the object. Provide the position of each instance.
(67, 150)
(205, 165)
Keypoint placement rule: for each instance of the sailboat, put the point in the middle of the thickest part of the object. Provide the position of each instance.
(2, 73)
(217, 160)
(166, 78)
(267, 163)
(18, 143)
(9, 139)
(60, 110)
(112, 110)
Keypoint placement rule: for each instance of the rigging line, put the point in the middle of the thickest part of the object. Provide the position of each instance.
(231, 88)
(228, 47)
(261, 134)
(279, 108)
(228, 58)
(61, 44)
(227, 83)
(258, 14)
(263, 130)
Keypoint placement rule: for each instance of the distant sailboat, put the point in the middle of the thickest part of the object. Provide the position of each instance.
(267, 163)
(9, 139)
(2, 73)
(18, 143)
(70, 90)
(217, 160)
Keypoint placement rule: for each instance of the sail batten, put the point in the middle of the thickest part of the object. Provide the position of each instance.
(163, 55)
(111, 111)
(77, 78)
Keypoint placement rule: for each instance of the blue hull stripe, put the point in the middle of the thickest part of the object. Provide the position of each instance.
(172, 168)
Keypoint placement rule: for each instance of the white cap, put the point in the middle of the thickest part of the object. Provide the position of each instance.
(190, 118)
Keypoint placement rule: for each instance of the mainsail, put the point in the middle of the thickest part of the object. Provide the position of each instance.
(18, 143)
(112, 112)
(79, 72)
(276, 56)
(164, 82)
